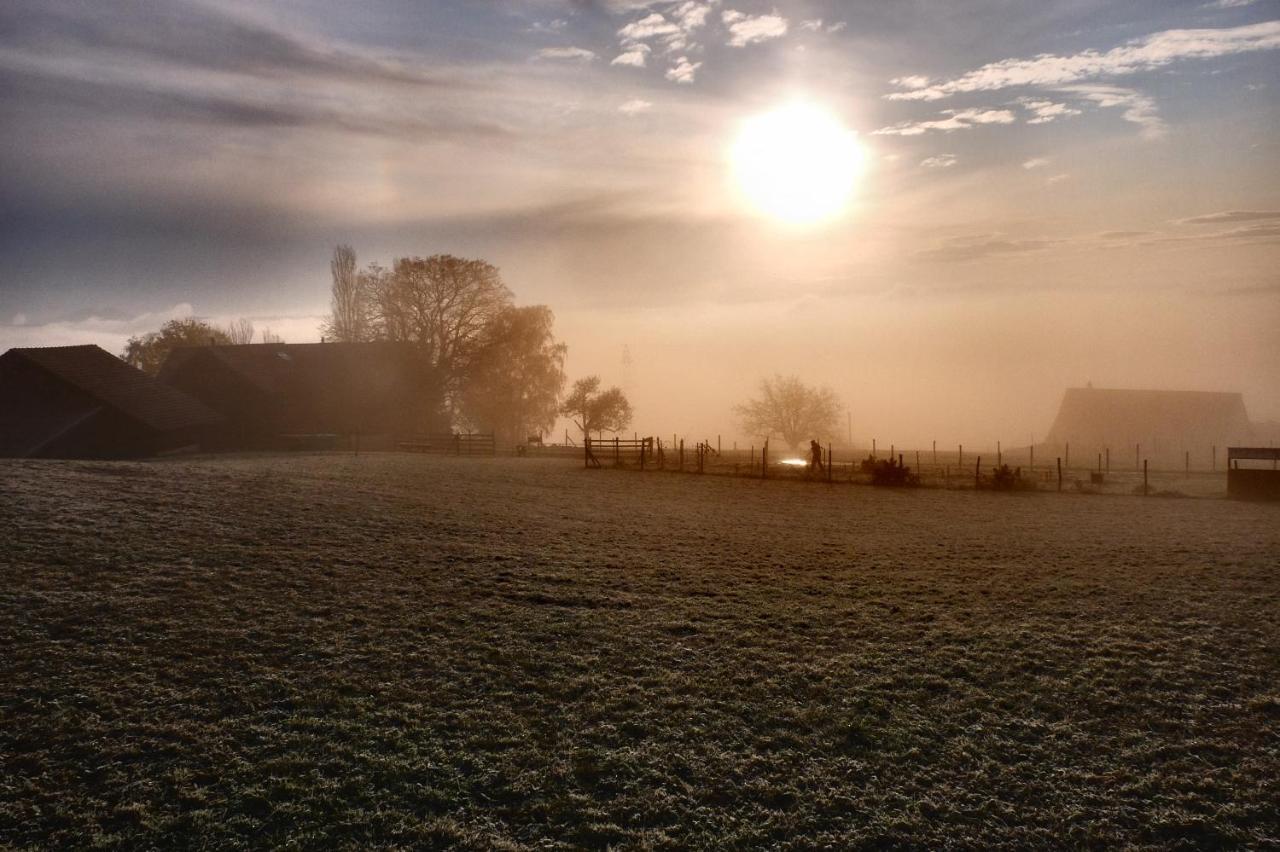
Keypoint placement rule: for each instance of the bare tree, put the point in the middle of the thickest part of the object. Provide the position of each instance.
(789, 408)
(240, 331)
(349, 321)
(270, 337)
(441, 303)
(594, 411)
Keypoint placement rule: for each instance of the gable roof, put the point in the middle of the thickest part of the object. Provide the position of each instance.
(1098, 414)
(116, 385)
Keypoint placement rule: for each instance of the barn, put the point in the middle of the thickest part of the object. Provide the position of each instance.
(83, 402)
(297, 395)
(1160, 425)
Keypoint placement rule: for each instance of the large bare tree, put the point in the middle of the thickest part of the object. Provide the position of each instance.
(792, 410)
(443, 304)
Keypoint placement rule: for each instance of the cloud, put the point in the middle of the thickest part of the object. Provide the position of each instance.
(837, 26)
(1043, 112)
(1228, 4)
(1035, 162)
(955, 120)
(683, 70)
(914, 81)
(1144, 54)
(673, 33)
(751, 29)
(941, 161)
(1231, 216)
(812, 26)
(635, 106)
(976, 248)
(635, 56)
(571, 54)
(1138, 108)
(1052, 179)
(1123, 235)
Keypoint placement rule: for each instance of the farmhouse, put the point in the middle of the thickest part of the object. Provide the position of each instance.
(83, 402)
(280, 395)
(1155, 424)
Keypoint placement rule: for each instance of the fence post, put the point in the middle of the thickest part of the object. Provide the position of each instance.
(1144, 477)
(586, 450)
(616, 458)
(764, 460)
(1059, 473)
(873, 448)
(977, 473)
(1068, 455)
(961, 462)
(642, 454)
(1099, 462)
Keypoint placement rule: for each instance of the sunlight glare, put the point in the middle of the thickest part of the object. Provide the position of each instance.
(797, 163)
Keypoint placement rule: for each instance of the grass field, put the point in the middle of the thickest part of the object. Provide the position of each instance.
(424, 652)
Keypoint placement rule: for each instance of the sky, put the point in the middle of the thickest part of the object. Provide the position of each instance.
(1051, 193)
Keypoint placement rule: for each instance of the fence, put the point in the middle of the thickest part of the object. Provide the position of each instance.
(452, 444)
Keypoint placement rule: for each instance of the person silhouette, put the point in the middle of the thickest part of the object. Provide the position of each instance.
(815, 456)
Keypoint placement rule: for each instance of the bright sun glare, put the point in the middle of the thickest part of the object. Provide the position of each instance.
(797, 163)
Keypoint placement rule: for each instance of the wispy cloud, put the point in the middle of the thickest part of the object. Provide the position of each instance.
(941, 161)
(1231, 216)
(635, 106)
(1043, 112)
(1138, 108)
(572, 54)
(975, 248)
(1035, 163)
(1145, 54)
(750, 29)
(955, 120)
(683, 71)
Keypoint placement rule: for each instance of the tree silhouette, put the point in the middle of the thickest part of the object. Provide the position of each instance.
(789, 408)
(594, 411)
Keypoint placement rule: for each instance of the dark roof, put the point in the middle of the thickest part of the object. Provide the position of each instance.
(279, 367)
(116, 385)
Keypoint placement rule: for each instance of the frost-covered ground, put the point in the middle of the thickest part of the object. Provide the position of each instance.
(403, 650)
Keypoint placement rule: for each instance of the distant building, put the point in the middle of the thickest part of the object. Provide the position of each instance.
(276, 395)
(83, 402)
(1158, 425)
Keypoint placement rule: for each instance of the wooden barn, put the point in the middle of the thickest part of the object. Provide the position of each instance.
(310, 395)
(1160, 425)
(83, 402)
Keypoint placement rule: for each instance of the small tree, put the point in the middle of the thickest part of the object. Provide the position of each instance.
(594, 411)
(241, 331)
(789, 408)
(149, 351)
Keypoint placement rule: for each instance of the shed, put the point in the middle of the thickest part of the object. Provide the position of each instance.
(274, 395)
(83, 402)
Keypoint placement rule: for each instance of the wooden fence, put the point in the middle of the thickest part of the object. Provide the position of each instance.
(452, 444)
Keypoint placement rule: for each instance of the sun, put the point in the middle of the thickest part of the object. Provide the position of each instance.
(797, 163)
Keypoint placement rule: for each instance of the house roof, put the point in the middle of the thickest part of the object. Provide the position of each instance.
(116, 385)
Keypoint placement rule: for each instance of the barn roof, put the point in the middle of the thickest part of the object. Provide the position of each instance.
(275, 368)
(114, 384)
(1097, 413)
